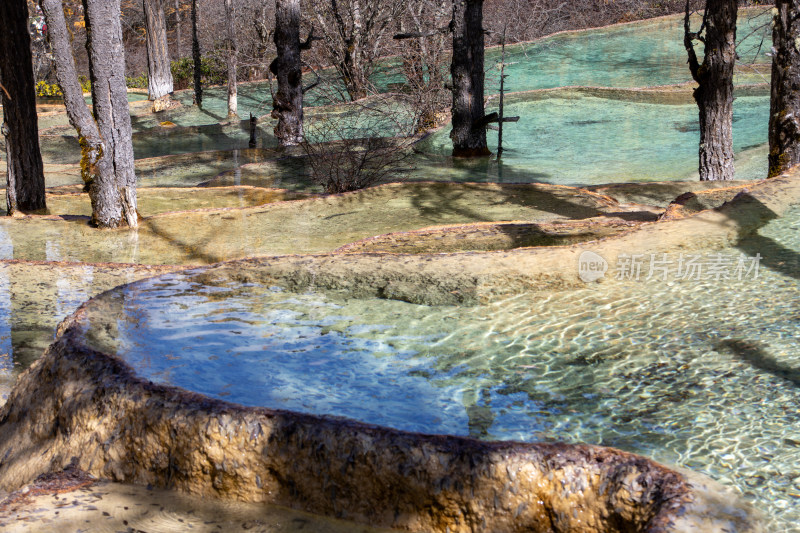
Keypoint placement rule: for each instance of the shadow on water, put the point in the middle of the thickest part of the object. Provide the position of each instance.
(752, 216)
(774, 255)
(756, 355)
(194, 251)
(435, 199)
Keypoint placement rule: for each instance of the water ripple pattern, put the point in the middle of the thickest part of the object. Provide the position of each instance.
(700, 374)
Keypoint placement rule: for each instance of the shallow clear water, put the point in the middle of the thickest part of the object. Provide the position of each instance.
(562, 137)
(35, 297)
(702, 374)
(643, 54)
(567, 138)
(633, 55)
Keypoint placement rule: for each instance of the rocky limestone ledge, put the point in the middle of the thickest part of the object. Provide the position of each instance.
(478, 277)
(85, 408)
(481, 236)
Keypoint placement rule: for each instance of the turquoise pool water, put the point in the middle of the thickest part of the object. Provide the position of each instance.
(641, 54)
(563, 137)
(568, 138)
(699, 373)
(630, 55)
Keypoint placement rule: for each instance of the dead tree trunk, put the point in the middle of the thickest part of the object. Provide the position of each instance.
(106, 141)
(93, 165)
(178, 49)
(784, 118)
(714, 94)
(354, 31)
(20, 124)
(159, 75)
(113, 204)
(231, 43)
(106, 146)
(354, 71)
(196, 59)
(469, 133)
(287, 103)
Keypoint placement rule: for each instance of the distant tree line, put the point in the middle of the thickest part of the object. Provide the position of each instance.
(355, 33)
(529, 19)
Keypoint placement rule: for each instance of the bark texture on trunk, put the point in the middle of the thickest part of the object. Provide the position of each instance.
(714, 94)
(159, 75)
(287, 105)
(113, 201)
(196, 59)
(784, 118)
(93, 165)
(20, 124)
(355, 78)
(468, 134)
(233, 110)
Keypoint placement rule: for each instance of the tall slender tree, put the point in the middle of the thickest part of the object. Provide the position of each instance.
(197, 67)
(469, 130)
(159, 74)
(784, 118)
(714, 93)
(233, 104)
(113, 204)
(287, 103)
(178, 49)
(106, 138)
(25, 182)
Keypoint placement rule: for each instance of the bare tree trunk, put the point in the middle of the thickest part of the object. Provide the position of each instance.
(93, 165)
(425, 23)
(469, 134)
(196, 59)
(714, 94)
(159, 75)
(784, 118)
(20, 124)
(178, 50)
(287, 104)
(113, 200)
(232, 96)
(106, 156)
(356, 81)
(501, 107)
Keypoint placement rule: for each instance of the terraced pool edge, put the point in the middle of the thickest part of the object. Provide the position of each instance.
(81, 407)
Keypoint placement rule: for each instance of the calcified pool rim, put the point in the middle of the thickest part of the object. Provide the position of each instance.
(89, 409)
(78, 404)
